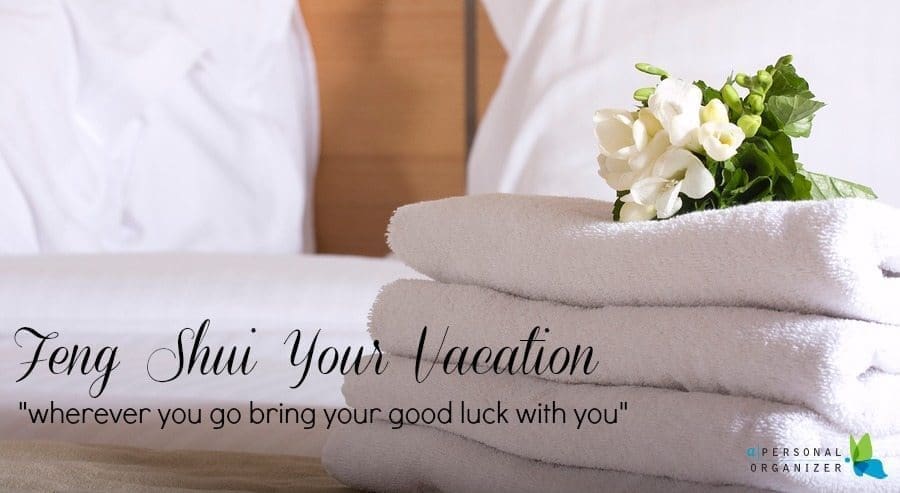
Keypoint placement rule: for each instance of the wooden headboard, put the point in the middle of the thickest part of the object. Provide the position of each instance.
(393, 95)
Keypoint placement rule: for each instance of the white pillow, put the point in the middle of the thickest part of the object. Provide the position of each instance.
(142, 125)
(567, 59)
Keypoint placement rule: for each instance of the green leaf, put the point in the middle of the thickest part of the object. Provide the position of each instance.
(800, 187)
(827, 187)
(854, 449)
(759, 158)
(786, 82)
(737, 179)
(863, 449)
(792, 114)
(708, 92)
(758, 190)
(800, 128)
(780, 143)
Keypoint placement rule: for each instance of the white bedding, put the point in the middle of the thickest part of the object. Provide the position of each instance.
(141, 302)
(156, 125)
(567, 59)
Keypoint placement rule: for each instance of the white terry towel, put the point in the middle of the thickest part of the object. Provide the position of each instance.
(375, 457)
(690, 436)
(848, 371)
(839, 258)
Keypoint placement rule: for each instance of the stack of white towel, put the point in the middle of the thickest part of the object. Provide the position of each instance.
(752, 329)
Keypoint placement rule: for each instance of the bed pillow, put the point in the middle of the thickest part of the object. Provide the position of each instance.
(156, 125)
(567, 59)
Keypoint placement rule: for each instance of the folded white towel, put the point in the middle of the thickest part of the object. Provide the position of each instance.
(848, 371)
(839, 258)
(692, 436)
(374, 457)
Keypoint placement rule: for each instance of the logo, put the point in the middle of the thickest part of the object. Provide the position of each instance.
(863, 463)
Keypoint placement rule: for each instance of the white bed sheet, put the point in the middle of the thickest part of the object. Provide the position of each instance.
(141, 302)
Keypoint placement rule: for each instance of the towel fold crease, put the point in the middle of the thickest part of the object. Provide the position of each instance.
(560, 350)
(848, 371)
(822, 257)
(374, 457)
(692, 436)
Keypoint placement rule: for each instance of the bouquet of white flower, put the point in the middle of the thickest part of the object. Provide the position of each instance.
(690, 147)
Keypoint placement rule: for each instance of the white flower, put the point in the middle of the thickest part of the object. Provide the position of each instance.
(676, 104)
(650, 140)
(629, 143)
(676, 171)
(645, 127)
(714, 111)
(720, 140)
(617, 173)
(631, 211)
(614, 133)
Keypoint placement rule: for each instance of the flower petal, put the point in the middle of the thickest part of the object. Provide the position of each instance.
(640, 134)
(616, 172)
(645, 127)
(685, 94)
(668, 202)
(645, 116)
(698, 181)
(613, 130)
(683, 130)
(714, 111)
(646, 190)
(612, 114)
(644, 159)
(720, 140)
(610, 165)
(676, 105)
(636, 212)
(673, 163)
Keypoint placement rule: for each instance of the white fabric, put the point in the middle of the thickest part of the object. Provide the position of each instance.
(691, 436)
(847, 371)
(141, 302)
(823, 257)
(374, 457)
(569, 58)
(161, 125)
(509, 18)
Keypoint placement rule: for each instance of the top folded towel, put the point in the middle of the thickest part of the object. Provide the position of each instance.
(838, 258)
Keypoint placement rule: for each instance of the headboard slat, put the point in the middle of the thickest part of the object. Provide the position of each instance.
(392, 88)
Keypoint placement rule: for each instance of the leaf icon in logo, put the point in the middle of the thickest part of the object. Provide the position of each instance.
(863, 450)
(863, 463)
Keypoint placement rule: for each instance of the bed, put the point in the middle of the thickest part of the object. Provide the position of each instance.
(368, 166)
(140, 303)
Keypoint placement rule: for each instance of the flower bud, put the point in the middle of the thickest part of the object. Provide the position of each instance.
(732, 99)
(651, 69)
(644, 93)
(764, 80)
(743, 80)
(714, 111)
(749, 124)
(784, 60)
(755, 102)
